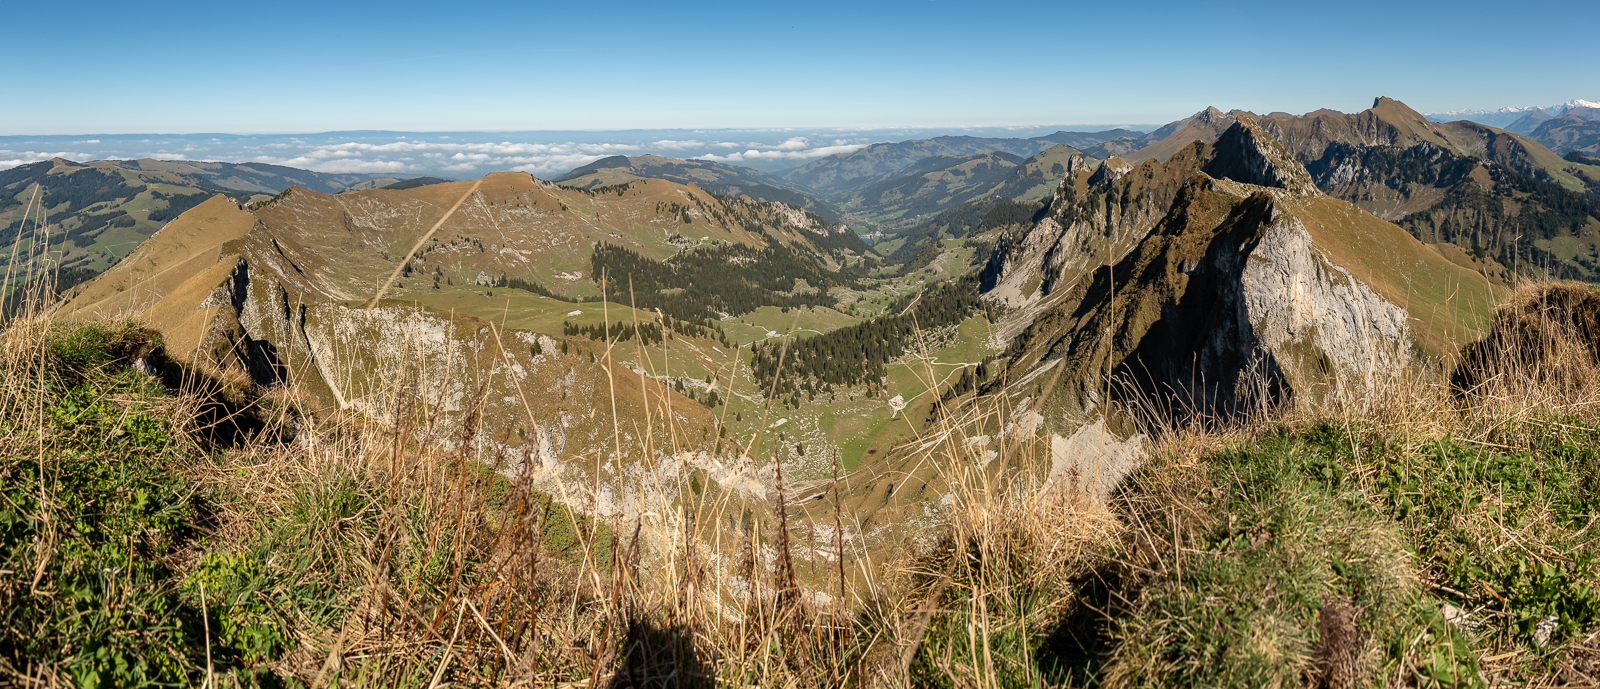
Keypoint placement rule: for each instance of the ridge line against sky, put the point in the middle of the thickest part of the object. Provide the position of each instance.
(521, 66)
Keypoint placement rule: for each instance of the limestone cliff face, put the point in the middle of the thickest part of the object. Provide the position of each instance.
(1097, 219)
(1335, 332)
(1094, 217)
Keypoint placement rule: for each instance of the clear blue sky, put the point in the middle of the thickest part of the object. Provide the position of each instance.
(110, 67)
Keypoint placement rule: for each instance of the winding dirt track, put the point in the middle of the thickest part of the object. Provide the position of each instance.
(412, 254)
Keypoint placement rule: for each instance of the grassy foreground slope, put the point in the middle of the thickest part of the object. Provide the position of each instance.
(1434, 536)
(1437, 536)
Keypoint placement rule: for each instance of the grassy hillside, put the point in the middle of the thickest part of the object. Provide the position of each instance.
(951, 196)
(504, 300)
(928, 186)
(1568, 133)
(840, 175)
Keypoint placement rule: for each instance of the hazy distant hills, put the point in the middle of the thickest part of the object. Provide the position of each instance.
(839, 176)
(260, 178)
(940, 183)
(717, 178)
(93, 214)
(1529, 122)
(1573, 131)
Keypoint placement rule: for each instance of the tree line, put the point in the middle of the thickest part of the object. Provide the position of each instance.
(857, 354)
(699, 284)
(649, 333)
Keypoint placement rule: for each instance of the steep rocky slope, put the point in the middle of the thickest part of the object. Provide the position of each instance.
(1220, 279)
(1491, 199)
(281, 294)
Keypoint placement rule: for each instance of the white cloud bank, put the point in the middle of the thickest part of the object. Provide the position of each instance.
(444, 154)
(797, 148)
(11, 159)
(401, 156)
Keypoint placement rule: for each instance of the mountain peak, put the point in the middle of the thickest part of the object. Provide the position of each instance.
(1245, 153)
(1109, 170)
(1386, 105)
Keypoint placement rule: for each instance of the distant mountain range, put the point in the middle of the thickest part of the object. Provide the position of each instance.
(837, 177)
(1504, 117)
(717, 178)
(1496, 197)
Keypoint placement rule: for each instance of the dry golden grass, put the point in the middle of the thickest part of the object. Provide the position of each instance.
(389, 552)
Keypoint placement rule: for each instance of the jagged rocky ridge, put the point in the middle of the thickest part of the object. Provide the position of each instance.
(1217, 280)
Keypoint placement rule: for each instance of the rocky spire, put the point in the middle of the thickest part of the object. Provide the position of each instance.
(1110, 170)
(1244, 153)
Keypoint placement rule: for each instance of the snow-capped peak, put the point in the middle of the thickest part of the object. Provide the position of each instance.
(1512, 110)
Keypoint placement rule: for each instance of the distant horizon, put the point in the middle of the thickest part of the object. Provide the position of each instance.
(447, 153)
(398, 66)
(1144, 126)
(547, 153)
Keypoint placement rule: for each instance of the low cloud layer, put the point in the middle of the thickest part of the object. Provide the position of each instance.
(10, 159)
(539, 159)
(796, 149)
(471, 154)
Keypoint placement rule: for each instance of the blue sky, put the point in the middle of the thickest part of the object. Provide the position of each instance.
(103, 67)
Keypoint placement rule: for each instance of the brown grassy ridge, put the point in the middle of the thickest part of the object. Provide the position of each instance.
(1424, 538)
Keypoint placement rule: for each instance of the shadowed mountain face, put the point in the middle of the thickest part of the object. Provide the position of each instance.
(1529, 122)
